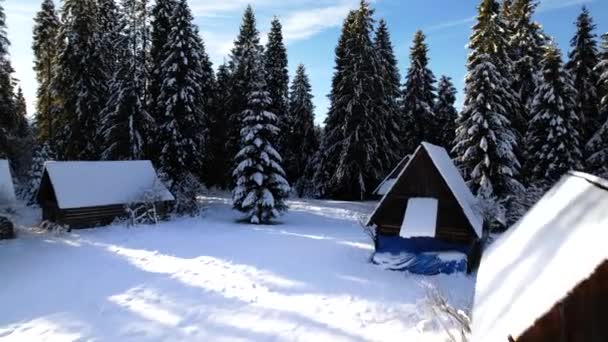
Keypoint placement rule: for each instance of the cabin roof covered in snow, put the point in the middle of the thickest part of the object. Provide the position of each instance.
(558, 244)
(390, 179)
(7, 189)
(453, 179)
(79, 184)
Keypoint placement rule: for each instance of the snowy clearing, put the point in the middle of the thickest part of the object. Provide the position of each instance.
(211, 279)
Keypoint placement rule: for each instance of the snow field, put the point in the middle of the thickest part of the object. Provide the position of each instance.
(201, 279)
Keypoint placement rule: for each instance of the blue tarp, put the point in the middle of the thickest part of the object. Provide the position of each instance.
(420, 255)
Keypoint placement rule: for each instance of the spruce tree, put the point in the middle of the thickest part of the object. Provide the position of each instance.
(260, 185)
(42, 154)
(418, 98)
(583, 58)
(277, 78)
(597, 147)
(329, 152)
(553, 141)
(241, 67)
(301, 140)
(391, 142)
(351, 162)
(80, 80)
(218, 162)
(7, 98)
(45, 46)
(445, 113)
(181, 98)
(485, 139)
(21, 141)
(526, 42)
(126, 125)
(110, 28)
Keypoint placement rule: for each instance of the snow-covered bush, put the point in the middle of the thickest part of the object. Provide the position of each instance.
(143, 209)
(186, 191)
(455, 322)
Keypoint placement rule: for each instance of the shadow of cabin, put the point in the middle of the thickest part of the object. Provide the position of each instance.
(90, 194)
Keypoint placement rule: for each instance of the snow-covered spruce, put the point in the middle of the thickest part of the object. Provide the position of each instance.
(485, 139)
(419, 98)
(42, 154)
(553, 139)
(583, 58)
(597, 147)
(260, 184)
(445, 113)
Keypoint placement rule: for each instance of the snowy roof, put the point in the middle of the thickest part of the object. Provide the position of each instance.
(453, 179)
(554, 247)
(7, 189)
(390, 179)
(420, 219)
(80, 184)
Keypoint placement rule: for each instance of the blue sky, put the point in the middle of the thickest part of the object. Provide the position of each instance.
(311, 29)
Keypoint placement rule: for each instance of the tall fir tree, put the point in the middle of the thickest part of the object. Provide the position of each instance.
(446, 113)
(553, 141)
(391, 93)
(46, 49)
(329, 151)
(301, 140)
(126, 126)
(80, 80)
(22, 140)
(160, 27)
(111, 29)
(218, 162)
(181, 98)
(277, 77)
(8, 115)
(42, 154)
(353, 164)
(260, 185)
(418, 98)
(485, 139)
(597, 147)
(526, 41)
(583, 58)
(241, 67)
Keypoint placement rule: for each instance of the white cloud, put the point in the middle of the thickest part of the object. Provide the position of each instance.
(306, 23)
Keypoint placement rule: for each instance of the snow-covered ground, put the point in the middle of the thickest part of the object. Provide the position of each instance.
(212, 279)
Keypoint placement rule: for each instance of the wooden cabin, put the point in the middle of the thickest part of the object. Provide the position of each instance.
(429, 182)
(546, 278)
(82, 194)
(388, 182)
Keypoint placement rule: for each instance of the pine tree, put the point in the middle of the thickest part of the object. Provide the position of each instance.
(7, 98)
(277, 78)
(350, 159)
(126, 124)
(45, 46)
(553, 141)
(181, 123)
(526, 41)
(20, 152)
(445, 113)
(241, 66)
(597, 147)
(485, 140)
(80, 80)
(301, 140)
(583, 58)
(418, 98)
(391, 90)
(110, 28)
(261, 187)
(218, 161)
(42, 154)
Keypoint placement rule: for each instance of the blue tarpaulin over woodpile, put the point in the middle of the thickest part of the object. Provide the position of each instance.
(426, 256)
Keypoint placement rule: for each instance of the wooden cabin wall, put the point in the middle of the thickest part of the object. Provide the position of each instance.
(422, 179)
(581, 317)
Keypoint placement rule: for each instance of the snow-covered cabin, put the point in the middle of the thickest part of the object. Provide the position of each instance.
(83, 194)
(546, 278)
(7, 189)
(427, 209)
(388, 182)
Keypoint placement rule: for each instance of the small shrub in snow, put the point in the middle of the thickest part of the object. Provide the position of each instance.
(143, 210)
(186, 191)
(455, 322)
